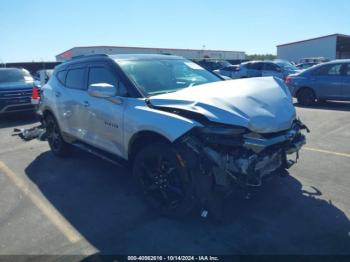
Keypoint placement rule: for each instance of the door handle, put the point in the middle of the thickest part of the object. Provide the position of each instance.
(57, 94)
(86, 103)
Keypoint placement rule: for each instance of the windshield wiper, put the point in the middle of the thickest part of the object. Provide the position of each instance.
(162, 92)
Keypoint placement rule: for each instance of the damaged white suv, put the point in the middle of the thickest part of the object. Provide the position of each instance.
(185, 131)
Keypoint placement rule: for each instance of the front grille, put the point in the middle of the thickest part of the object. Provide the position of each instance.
(19, 108)
(15, 94)
(14, 97)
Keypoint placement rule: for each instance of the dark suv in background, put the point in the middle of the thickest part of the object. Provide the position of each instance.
(212, 65)
(15, 90)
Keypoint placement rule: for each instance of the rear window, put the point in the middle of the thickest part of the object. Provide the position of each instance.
(271, 67)
(75, 78)
(14, 75)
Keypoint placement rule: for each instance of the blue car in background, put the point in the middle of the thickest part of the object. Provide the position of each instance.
(287, 67)
(327, 81)
(15, 90)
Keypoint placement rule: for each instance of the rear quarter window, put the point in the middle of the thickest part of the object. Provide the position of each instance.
(61, 76)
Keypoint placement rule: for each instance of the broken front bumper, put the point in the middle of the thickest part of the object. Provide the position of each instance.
(248, 158)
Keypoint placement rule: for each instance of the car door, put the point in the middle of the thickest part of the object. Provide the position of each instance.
(72, 108)
(346, 82)
(106, 114)
(327, 81)
(271, 69)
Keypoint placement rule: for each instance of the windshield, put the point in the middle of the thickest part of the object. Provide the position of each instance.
(165, 75)
(286, 65)
(14, 75)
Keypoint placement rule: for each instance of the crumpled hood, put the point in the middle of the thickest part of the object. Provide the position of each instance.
(263, 105)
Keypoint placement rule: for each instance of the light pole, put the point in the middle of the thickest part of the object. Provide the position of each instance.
(2, 62)
(203, 51)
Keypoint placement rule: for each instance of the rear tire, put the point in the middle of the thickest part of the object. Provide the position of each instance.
(57, 145)
(165, 181)
(306, 97)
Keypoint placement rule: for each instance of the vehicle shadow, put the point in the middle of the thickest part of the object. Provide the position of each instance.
(101, 201)
(17, 119)
(328, 105)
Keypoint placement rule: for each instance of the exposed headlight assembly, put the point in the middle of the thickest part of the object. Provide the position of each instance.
(222, 131)
(222, 135)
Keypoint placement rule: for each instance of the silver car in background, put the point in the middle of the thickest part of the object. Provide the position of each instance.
(277, 68)
(252, 69)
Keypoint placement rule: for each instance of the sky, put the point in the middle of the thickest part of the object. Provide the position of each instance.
(37, 30)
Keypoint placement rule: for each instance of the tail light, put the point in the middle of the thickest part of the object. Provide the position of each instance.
(288, 79)
(35, 95)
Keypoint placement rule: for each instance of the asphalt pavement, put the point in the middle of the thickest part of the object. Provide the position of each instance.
(83, 205)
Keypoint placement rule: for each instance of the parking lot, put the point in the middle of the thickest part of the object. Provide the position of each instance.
(84, 205)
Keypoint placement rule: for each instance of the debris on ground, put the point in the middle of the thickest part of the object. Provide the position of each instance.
(28, 134)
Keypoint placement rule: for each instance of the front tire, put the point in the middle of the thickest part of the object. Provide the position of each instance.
(165, 181)
(306, 97)
(57, 145)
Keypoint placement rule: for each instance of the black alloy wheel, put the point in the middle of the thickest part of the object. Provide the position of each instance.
(164, 179)
(306, 97)
(58, 146)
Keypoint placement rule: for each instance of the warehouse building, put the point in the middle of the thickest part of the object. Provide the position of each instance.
(330, 47)
(187, 53)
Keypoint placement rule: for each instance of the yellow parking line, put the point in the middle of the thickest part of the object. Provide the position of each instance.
(326, 151)
(55, 217)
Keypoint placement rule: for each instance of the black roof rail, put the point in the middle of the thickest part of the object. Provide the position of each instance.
(88, 55)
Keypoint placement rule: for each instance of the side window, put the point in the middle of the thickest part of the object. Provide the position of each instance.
(75, 78)
(255, 66)
(328, 70)
(61, 76)
(103, 75)
(347, 70)
(335, 70)
(321, 71)
(249, 66)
